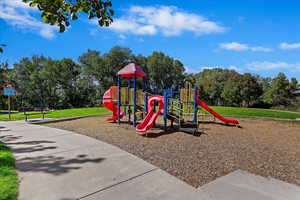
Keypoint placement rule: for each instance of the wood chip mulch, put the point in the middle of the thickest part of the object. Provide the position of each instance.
(263, 147)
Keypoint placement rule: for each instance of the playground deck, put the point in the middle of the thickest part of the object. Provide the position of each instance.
(263, 147)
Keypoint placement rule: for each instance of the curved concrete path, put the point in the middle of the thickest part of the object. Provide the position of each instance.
(55, 164)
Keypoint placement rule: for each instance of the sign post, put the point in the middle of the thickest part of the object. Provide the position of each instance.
(9, 109)
(9, 91)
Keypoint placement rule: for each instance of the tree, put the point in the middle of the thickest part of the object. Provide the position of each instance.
(141, 61)
(294, 85)
(32, 86)
(279, 94)
(87, 93)
(52, 83)
(265, 83)
(117, 58)
(59, 12)
(294, 89)
(94, 70)
(241, 90)
(177, 74)
(61, 78)
(251, 90)
(211, 82)
(63, 83)
(103, 69)
(190, 78)
(93, 65)
(5, 77)
(5, 73)
(164, 71)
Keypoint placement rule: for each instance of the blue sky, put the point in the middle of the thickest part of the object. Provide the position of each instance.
(257, 36)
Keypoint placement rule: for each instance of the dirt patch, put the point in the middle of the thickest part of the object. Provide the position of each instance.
(263, 147)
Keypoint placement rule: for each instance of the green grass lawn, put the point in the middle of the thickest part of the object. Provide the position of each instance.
(254, 112)
(60, 113)
(8, 175)
(101, 111)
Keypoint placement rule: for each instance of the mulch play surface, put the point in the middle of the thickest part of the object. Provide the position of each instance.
(263, 147)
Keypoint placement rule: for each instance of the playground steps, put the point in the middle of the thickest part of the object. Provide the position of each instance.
(243, 185)
(140, 107)
(174, 117)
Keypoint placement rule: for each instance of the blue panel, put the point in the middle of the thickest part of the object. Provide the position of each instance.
(9, 92)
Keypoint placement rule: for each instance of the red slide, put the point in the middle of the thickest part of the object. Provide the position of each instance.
(109, 104)
(211, 111)
(151, 117)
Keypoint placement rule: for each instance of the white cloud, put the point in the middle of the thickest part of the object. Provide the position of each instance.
(18, 14)
(235, 68)
(126, 26)
(259, 66)
(210, 67)
(264, 66)
(287, 46)
(253, 66)
(231, 67)
(122, 37)
(167, 20)
(235, 46)
(16, 4)
(190, 70)
(262, 49)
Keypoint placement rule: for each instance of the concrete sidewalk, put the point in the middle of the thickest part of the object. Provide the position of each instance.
(62, 165)
(55, 164)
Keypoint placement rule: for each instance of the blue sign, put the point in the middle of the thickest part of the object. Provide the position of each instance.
(9, 91)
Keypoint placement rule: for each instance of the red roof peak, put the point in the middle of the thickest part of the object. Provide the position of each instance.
(130, 70)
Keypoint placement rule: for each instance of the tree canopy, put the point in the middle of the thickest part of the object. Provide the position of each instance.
(60, 12)
(164, 71)
(64, 83)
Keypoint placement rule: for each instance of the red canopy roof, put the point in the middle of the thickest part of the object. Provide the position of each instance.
(130, 70)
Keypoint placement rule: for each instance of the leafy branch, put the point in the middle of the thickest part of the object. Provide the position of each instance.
(60, 12)
(1, 49)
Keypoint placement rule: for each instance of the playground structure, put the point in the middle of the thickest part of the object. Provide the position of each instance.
(181, 105)
(129, 98)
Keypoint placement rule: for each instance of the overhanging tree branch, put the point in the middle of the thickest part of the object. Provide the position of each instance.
(60, 12)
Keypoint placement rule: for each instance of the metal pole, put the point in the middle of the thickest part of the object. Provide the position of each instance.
(179, 105)
(146, 103)
(195, 105)
(9, 112)
(119, 99)
(165, 108)
(134, 101)
(128, 91)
